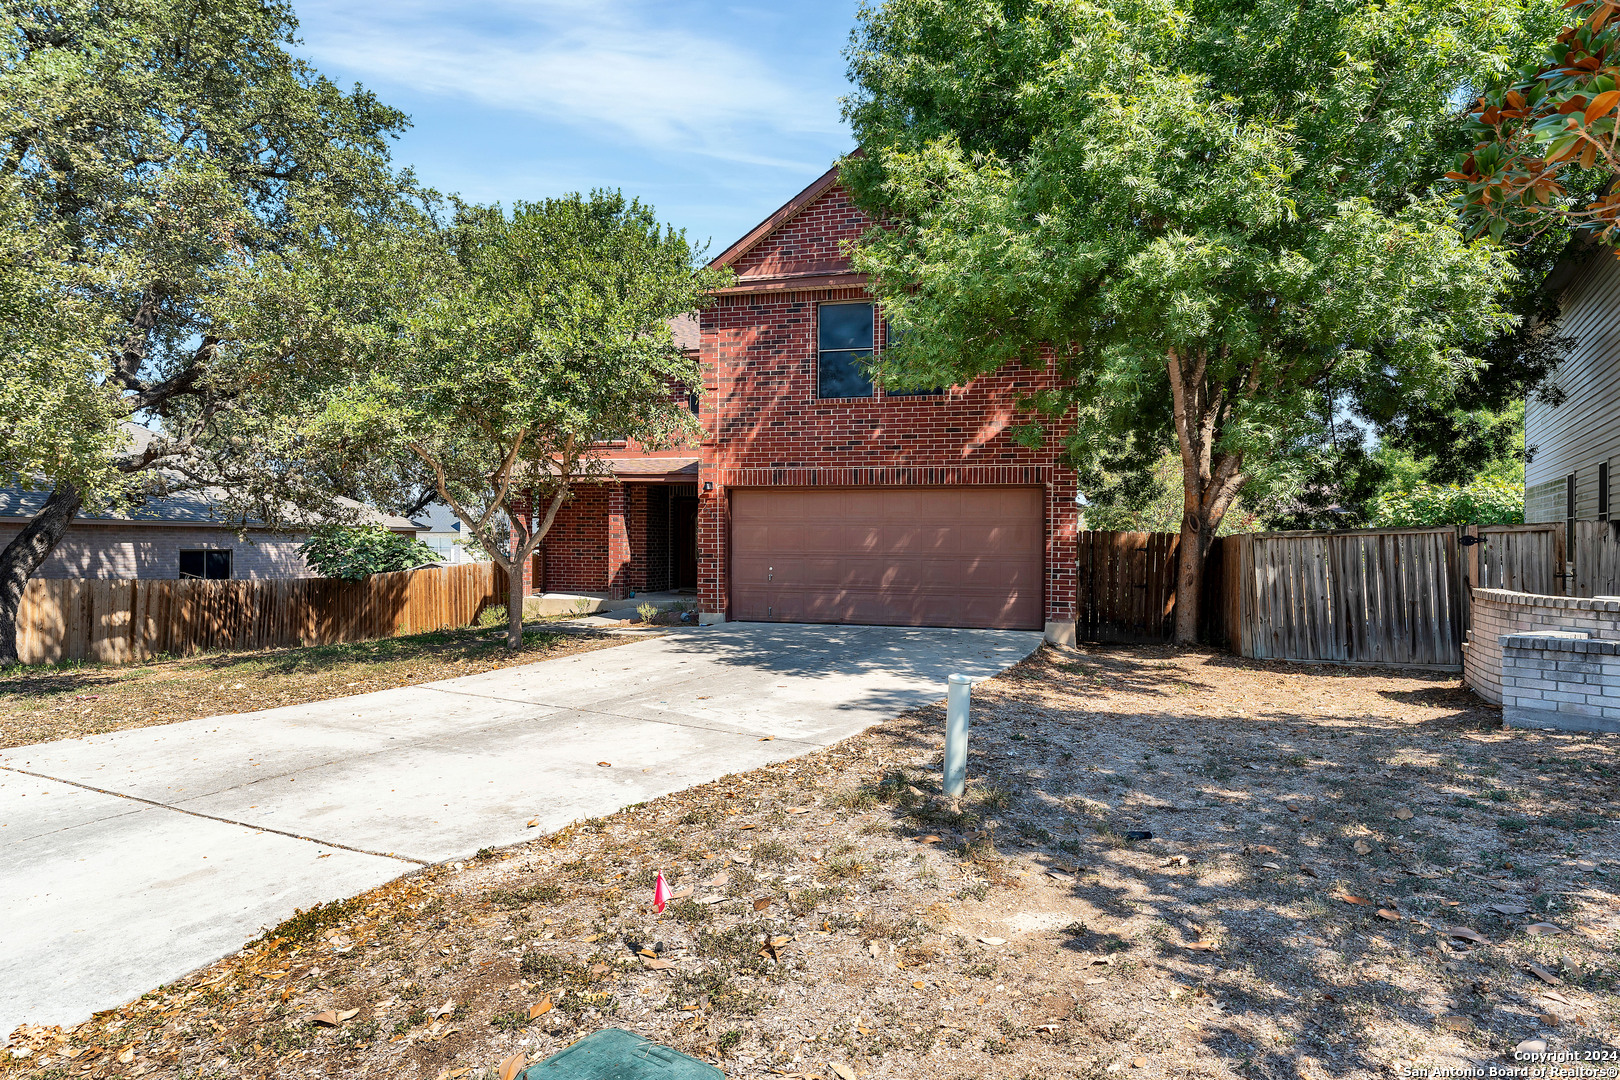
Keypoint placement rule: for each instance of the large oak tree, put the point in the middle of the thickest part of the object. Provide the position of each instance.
(1219, 216)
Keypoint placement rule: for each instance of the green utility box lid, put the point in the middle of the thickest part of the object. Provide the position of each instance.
(615, 1054)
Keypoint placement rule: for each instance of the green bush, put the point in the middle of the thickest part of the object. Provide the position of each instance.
(355, 552)
(1483, 502)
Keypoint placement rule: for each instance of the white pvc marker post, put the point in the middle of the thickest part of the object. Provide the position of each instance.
(958, 699)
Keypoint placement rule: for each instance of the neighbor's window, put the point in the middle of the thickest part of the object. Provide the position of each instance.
(891, 336)
(843, 346)
(1603, 491)
(213, 565)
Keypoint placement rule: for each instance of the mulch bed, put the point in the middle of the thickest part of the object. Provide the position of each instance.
(1351, 872)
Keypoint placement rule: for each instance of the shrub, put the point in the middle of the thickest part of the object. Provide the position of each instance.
(1483, 502)
(354, 553)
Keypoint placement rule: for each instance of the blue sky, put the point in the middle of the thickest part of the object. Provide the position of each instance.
(715, 113)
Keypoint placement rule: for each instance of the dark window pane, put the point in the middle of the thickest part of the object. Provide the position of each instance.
(842, 375)
(845, 326)
(218, 565)
(936, 391)
(191, 564)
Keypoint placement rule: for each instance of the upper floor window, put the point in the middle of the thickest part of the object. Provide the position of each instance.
(213, 564)
(843, 347)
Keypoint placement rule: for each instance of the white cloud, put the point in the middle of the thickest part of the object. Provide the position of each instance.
(604, 65)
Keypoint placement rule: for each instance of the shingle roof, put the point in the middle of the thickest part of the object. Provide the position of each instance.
(685, 329)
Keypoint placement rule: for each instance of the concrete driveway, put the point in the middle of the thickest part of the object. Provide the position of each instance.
(130, 859)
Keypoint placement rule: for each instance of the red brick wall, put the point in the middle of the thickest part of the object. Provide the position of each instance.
(576, 558)
(767, 426)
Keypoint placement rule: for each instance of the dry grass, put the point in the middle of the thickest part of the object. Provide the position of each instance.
(65, 701)
(866, 921)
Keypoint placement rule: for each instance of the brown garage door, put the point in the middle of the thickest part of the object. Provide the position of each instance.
(888, 556)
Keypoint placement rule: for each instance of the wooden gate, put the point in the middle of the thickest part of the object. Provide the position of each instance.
(1375, 596)
(1519, 558)
(1127, 586)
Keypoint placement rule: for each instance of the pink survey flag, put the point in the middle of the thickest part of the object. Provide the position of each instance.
(660, 893)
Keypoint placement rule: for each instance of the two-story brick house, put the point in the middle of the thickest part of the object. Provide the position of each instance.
(817, 496)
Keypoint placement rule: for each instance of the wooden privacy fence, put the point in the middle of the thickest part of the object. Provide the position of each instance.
(1126, 588)
(1375, 596)
(123, 621)
(1596, 558)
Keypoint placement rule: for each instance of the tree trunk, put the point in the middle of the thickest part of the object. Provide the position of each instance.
(23, 556)
(514, 606)
(1211, 478)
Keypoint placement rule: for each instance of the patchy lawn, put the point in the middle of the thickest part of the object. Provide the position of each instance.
(65, 701)
(1351, 872)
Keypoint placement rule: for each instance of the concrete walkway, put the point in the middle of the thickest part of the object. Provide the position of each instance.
(130, 859)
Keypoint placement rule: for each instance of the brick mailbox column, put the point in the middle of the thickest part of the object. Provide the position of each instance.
(1062, 553)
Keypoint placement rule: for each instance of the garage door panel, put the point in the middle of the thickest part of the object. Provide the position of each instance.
(905, 557)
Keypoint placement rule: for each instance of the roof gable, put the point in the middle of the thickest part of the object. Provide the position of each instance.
(801, 244)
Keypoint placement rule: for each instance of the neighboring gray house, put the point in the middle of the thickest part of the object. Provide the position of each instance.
(1571, 476)
(179, 536)
(440, 529)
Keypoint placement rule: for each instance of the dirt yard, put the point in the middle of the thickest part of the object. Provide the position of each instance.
(1350, 873)
(65, 701)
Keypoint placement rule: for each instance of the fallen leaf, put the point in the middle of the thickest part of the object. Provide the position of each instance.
(681, 894)
(1202, 946)
(126, 1055)
(512, 1066)
(993, 940)
(919, 985)
(1509, 909)
(1139, 1063)
(1387, 914)
(325, 1019)
(745, 828)
(762, 903)
(1403, 814)
(1363, 848)
(1455, 1023)
(718, 880)
(1362, 900)
(842, 1070)
(1464, 933)
(1310, 871)
(1543, 929)
(1554, 995)
(798, 809)
(597, 970)
(657, 965)
(347, 1014)
(533, 822)
(1544, 975)
(540, 1008)
(1271, 866)
(648, 952)
(931, 838)
(605, 764)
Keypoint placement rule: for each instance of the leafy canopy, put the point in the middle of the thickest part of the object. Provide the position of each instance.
(1231, 196)
(1544, 150)
(151, 151)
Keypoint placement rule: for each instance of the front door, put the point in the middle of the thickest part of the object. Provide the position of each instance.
(683, 512)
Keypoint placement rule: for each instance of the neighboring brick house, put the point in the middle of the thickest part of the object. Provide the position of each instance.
(816, 496)
(175, 537)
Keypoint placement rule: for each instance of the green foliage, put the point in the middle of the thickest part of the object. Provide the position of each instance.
(1225, 206)
(1544, 152)
(1483, 502)
(499, 349)
(154, 151)
(355, 552)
